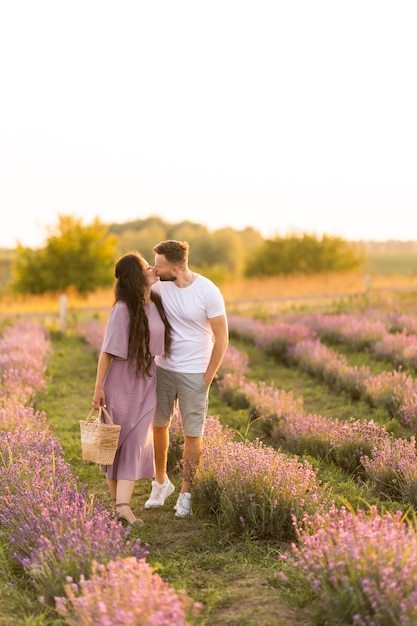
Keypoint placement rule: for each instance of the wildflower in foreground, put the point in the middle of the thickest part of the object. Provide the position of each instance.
(125, 591)
(52, 529)
(362, 566)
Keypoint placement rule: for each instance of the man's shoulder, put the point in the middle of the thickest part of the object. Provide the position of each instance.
(212, 297)
(206, 282)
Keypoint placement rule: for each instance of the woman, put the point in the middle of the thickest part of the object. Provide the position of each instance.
(136, 330)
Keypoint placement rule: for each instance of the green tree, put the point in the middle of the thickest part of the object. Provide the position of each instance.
(303, 255)
(75, 256)
(140, 235)
(220, 255)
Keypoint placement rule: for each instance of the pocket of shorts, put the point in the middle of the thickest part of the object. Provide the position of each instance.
(203, 384)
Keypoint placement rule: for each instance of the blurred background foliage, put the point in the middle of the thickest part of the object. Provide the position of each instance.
(82, 256)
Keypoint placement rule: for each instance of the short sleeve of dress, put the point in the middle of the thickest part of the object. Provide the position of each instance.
(116, 336)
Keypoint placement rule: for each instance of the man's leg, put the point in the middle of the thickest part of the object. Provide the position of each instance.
(191, 458)
(161, 445)
(193, 403)
(161, 486)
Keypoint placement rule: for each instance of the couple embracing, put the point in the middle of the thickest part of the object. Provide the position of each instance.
(165, 339)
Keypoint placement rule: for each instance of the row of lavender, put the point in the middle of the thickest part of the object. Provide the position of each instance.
(362, 566)
(78, 559)
(296, 342)
(392, 337)
(387, 462)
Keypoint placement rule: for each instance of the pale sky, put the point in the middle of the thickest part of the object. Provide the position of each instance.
(286, 115)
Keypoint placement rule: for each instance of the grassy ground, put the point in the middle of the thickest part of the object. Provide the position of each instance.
(235, 580)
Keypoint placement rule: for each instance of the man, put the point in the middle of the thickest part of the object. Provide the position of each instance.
(196, 311)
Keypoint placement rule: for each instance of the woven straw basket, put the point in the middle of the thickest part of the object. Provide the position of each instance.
(99, 440)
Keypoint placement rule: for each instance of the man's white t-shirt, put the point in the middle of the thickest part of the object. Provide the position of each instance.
(188, 310)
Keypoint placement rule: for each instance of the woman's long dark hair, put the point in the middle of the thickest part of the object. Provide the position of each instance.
(130, 288)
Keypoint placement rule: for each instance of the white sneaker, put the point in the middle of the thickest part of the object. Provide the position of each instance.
(183, 505)
(159, 493)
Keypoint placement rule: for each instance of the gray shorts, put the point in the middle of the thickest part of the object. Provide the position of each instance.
(192, 395)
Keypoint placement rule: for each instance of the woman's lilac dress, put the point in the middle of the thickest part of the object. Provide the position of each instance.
(131, 400)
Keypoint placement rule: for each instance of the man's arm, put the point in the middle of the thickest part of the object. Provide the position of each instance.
(220, 342)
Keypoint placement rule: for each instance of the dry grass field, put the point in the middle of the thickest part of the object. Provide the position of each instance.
(268, 294)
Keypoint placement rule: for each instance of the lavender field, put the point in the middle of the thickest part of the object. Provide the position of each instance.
(307, 485)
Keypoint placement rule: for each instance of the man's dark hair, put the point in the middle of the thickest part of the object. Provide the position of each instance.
(175, 252)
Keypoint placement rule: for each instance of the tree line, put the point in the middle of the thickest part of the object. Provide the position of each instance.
(82, 256)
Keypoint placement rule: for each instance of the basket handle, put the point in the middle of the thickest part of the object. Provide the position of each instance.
(101, 410)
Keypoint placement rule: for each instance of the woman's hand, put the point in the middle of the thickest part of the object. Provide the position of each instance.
(99, 398)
